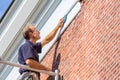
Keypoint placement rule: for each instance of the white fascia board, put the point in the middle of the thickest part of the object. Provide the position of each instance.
(47, 13)
(16, 24)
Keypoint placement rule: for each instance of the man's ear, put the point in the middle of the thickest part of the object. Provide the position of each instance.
(30, 34)
(33, 35)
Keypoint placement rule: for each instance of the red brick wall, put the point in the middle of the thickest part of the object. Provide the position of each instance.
(90, 47)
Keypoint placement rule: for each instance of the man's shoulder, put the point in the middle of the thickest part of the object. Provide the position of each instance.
(25, 45)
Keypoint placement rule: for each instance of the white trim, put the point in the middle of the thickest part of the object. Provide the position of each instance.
(9, 15)
(47, 12)
(13, 28)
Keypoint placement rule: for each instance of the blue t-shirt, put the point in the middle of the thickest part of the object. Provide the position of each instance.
(28, 51)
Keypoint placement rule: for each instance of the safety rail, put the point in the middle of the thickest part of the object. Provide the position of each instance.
(56, 73)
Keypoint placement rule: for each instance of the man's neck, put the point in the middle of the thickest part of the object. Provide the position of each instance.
(33, 41)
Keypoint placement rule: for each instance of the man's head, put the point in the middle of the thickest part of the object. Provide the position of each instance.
(30, 32)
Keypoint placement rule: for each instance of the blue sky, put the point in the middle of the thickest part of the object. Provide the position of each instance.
(4, 4)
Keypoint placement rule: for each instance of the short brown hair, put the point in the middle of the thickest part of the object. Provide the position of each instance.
(26, 31)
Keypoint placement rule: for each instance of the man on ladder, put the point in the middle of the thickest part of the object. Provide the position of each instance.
(28, 52)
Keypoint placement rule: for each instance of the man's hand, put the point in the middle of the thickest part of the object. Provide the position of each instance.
(61, 22)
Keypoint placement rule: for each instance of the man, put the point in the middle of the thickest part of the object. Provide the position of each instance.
(28, 52)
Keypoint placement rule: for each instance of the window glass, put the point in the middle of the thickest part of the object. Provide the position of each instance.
(4, 7)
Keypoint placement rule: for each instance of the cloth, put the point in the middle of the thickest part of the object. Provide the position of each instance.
(28, 51)
(28, 76)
